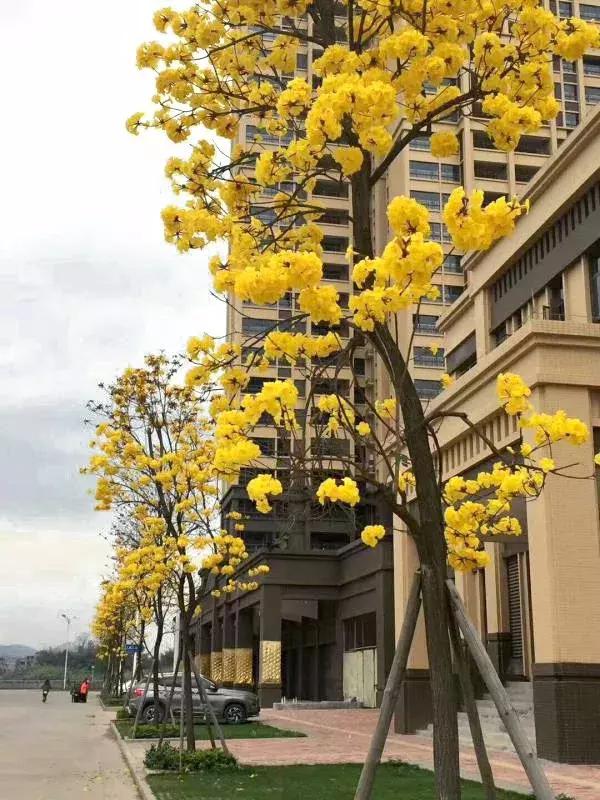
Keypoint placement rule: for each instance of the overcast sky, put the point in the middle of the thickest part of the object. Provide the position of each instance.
(87, 286)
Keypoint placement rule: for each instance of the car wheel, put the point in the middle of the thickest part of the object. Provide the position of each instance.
(149, 717)
(235, 714)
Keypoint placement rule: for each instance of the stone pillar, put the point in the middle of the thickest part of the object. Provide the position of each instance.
(496, 607)
(564, 550)
(269, 679)
(228, 646)
(203, 657)
(243, 677)
(386, 639)
(216, 648)
(414, 709)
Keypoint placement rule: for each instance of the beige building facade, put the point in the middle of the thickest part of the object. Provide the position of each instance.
(532, 306)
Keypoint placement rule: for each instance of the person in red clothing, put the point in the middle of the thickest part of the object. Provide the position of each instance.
(84, 689)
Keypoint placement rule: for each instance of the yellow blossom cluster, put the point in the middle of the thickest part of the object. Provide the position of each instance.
(371, 535)
(338, 412)
(344, 492)
(261, 488)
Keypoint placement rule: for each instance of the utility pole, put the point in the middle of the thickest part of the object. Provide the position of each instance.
(69, 620)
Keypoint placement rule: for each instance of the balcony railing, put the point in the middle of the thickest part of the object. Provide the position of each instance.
(429, 361)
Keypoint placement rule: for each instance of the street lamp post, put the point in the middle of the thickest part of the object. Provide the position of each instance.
(69, 620)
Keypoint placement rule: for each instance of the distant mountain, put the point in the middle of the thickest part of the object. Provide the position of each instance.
(16, 651)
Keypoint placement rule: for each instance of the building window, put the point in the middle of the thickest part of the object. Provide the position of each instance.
(592, 94)
(328, 541)
(335, 272)
(565, 9)
(436, 231)
(324, 188)
(430, 200)
(334, 216)
(256, 327)
(453, 263)
(335, 244)
(595, 289)
(524, 173)
(481, 141)
(426, 389)
(301, 61)
(360, 632)
(571, 120)
(570, 91)
(591, 66)
(424, 170)
(451, 293)
(420, 143)
(425, 323)
(491, 170)
(450, 172)
(533, 144)
(423, 357)
(589, 12)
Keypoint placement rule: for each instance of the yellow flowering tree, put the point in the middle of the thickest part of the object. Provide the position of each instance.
(154, 455)
(387, 73)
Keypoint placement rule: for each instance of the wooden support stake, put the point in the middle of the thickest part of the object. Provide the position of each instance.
(466, 685)
(141, 703)
(169, 708)
(396, 675)
(535, 773)
(209, 708)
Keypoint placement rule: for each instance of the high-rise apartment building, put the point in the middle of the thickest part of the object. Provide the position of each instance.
(321, 627)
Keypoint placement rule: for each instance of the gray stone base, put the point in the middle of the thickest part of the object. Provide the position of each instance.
(414, 709)
(318, 705)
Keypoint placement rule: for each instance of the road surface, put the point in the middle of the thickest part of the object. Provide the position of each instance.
(59, 750)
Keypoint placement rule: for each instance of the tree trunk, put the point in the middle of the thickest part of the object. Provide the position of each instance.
(430, 542)
(188, 708)
(155, 665)
(169, 708)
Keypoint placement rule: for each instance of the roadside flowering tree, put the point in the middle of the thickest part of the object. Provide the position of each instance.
(387, 72)
(154, 461)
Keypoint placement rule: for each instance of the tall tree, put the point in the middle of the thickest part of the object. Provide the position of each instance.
(388, 72)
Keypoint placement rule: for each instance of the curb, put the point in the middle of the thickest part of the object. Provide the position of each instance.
(142, 787)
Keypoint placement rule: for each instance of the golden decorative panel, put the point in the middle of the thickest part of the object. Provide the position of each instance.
(270, 662)
(243, 665)
(228, 665)
(216, 666)
(203, 662)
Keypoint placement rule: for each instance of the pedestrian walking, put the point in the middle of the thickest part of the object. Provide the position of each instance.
(45, 690)
(83, 690)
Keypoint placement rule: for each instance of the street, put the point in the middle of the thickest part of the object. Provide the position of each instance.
(59, 750)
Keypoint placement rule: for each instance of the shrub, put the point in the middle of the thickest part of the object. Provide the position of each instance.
(123, 713)
(166, 757)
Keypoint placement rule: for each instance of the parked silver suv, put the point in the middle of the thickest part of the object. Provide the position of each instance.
(230, 705)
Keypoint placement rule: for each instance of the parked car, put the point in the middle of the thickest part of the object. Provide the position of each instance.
(232, 706)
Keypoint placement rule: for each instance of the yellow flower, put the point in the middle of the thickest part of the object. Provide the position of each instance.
(546, 464)
(446, 380)
(363, 429)
(372, 534)
(444, 144)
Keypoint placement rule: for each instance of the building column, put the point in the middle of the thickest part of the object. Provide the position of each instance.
(269, 679)
(228, 646)
(386, 639)
(496, 608)
(564, 550)
(216, 647)
(243, 677)
(414, 709)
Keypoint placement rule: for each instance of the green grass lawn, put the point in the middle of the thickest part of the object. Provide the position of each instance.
(337, 782)
(248, 730)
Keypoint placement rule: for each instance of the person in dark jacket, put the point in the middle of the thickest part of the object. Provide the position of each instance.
(45, 690)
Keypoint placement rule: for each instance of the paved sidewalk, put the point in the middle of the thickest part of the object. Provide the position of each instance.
(343, 737)
(59, 750)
